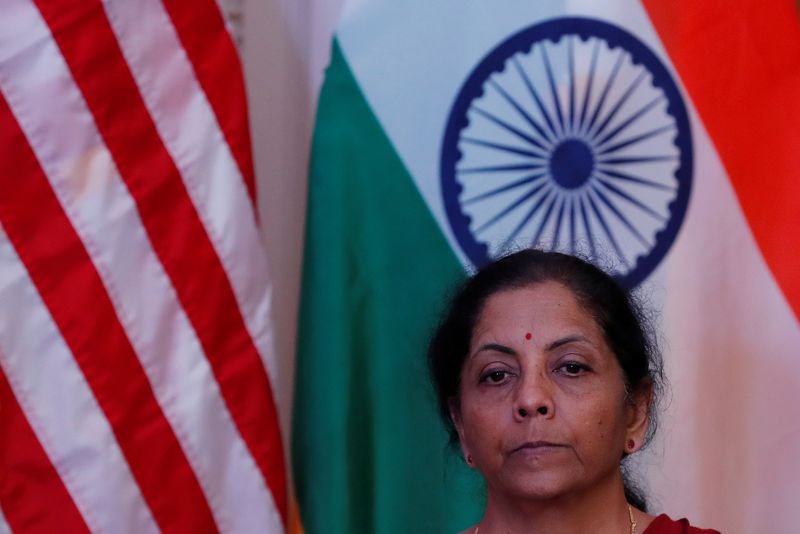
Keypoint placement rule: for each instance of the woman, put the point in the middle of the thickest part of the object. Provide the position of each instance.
(547, 378)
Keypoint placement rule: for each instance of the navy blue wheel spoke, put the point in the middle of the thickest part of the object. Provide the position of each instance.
(620, 216)
(545, 220)
(503, 188)
(588, 227)
(544, 144)
(630, 120)
(571, 224)
(633, 140)
(571, 60)
(618, 105)
(506, 126)
(553, 89)
(559, 220)
(607, 230)
(636, 159)
(535, 94)
(528, 216)
(639, 204)
(511, 207)
(506, 148)
(589, 81)
(612, 174)
(501, 168)
(599, 106)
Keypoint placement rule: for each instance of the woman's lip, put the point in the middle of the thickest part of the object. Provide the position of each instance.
(537, 445)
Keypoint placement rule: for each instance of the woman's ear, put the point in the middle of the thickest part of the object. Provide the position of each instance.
(638, 416)
(455, 416)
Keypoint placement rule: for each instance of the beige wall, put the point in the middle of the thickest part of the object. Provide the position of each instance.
(285, 49)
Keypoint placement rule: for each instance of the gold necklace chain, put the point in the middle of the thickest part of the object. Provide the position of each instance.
(633, 522)
(630, 514)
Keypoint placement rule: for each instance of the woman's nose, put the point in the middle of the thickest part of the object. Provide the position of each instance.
(534, 397)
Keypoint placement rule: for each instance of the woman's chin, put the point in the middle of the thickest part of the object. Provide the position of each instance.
(536, 486)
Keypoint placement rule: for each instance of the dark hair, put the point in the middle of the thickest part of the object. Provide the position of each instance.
(622, 321)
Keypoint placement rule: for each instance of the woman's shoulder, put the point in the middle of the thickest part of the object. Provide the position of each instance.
(663, 524)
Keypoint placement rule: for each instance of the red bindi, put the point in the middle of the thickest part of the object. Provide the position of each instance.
(528, 336)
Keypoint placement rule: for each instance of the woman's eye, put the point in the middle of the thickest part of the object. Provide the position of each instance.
(573, 369)
(496, 376)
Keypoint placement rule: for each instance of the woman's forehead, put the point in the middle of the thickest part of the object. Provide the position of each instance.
(548, 304)
(541, 314)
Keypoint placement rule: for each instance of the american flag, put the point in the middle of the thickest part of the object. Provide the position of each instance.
(135, 341)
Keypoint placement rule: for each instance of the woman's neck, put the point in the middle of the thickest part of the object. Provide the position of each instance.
(601, 509)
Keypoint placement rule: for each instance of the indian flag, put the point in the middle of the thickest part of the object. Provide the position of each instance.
(659, 137)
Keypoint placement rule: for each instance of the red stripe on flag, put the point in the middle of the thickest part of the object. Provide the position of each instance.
(741, 65)
(215, 60)
(75, 296)
(90, 49)
(32, 494)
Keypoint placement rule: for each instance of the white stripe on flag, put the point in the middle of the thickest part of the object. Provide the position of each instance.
(76, 436)
(106, 219)
(174, 99)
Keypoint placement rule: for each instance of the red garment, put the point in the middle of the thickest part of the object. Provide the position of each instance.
(664, 525)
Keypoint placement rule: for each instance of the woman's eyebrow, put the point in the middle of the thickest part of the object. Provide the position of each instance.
(497, 348)
(568, 339)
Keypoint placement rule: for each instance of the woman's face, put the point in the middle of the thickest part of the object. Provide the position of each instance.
(542, 409)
